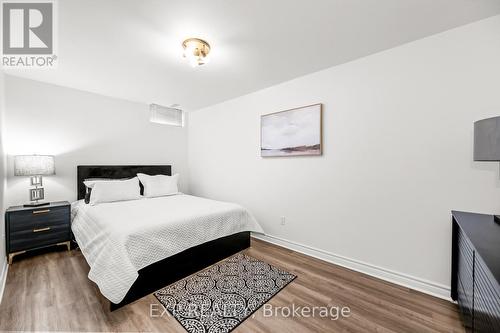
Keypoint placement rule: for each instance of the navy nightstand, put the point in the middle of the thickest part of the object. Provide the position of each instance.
(30, 228)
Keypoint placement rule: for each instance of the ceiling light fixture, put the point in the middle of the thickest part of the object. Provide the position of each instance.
(196, 51)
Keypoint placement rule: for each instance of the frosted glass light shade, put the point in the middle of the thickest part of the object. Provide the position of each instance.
(34, 165)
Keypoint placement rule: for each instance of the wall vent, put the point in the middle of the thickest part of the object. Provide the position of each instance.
(166, 115)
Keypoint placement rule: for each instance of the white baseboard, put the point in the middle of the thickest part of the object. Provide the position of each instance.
(3, 278)
(405, 280)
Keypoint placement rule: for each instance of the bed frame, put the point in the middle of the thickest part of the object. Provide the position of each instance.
(176, 267)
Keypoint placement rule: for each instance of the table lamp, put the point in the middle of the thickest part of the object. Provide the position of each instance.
(34, 166)
(487, 142)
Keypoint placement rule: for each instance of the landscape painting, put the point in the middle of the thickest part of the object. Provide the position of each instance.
(292, 132)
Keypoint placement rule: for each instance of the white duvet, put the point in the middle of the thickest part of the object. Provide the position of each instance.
(119, 238)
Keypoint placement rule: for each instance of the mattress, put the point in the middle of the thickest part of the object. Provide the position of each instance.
(120, 238)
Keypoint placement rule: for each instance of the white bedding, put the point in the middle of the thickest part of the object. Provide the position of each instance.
(119, 238)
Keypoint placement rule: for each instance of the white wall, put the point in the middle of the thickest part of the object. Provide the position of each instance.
(397, 156)
(82, 128)
(2, 186)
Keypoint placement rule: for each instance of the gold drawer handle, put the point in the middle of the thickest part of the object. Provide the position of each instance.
(41, 229)
(35, 212)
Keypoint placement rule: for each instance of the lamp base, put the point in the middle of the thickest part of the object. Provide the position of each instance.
(36, 204)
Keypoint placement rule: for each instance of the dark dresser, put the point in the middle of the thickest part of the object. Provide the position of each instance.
(475, 271)
(29, 228)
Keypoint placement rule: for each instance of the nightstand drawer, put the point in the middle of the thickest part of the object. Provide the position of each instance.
(38, 218)
(38, 236)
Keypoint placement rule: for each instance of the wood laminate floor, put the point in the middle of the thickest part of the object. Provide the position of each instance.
(51, 292)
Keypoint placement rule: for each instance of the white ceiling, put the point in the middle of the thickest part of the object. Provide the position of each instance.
(132, 49)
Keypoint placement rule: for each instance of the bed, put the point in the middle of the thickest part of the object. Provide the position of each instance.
(136, 247)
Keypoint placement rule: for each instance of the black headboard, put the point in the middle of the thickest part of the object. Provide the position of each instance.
(116, 172)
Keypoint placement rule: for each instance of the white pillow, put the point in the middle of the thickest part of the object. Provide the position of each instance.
(159, 185)
(113, 190)
(89, 183)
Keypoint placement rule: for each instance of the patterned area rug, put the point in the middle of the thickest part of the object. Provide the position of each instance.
(222, 296)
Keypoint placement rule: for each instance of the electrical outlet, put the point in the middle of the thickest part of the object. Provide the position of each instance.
(282, 220)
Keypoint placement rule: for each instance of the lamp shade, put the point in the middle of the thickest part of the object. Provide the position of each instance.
(487, 139)
(34, 165)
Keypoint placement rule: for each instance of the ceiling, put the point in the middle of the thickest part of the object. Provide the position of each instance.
(132, 49)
